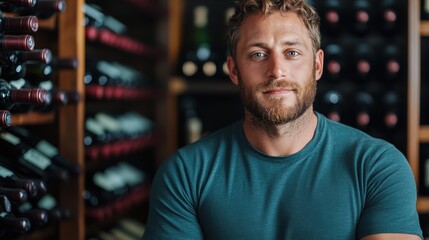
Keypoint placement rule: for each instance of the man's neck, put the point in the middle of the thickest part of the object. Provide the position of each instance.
(281, 140)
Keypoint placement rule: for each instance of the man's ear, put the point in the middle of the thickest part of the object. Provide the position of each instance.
(319, 64)
(233, 73)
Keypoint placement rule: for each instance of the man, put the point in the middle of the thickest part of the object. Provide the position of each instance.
(284, 171)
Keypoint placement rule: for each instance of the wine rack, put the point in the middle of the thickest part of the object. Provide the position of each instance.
(66, 126)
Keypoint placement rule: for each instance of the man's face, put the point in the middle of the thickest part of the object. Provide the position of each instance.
(276, 69)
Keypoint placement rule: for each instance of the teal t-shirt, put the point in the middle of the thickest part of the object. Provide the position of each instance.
(343, 185)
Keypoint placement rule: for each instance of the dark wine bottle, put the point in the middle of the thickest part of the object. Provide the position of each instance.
(363, 108)
(5, 118)
(15, 195)
(393, 61)
(43, 9)
(17, 42)
(15, 57)
(38, 217)
(9, 96)
(362, 17)
(12, 71)
(55, 212)
(45, 148)
(10, 223)
(14, 5)
(18, 24)
(332, 16)
(5, 205)
(10, 180)
(364, 62)
(392, 110)
(29, 161)
(391, 17)
(335, 65)
(333, 104)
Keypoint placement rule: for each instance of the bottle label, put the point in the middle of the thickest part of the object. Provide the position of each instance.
(37, 159)
(4, 173)
(10, 138)
(103, 182)
(108, 122)
(47, 148)
(25, 207)
(47, 202)
(92, 126)
(3, 214)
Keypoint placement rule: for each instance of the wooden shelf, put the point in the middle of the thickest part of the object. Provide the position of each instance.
(178, 85)
(32, 118)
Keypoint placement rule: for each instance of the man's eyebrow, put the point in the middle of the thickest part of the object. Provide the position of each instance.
(285, 43)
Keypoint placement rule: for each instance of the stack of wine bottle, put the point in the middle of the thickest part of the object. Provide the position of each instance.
(28, 164)
(109, 136)
(26, 78)
(105, 29)
(108, 80)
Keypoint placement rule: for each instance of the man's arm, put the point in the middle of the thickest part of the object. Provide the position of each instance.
(392, 236)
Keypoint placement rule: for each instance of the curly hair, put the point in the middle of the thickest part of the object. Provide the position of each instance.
(244, 8)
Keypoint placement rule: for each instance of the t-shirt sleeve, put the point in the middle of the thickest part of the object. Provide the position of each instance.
(390, 205)
(172, 213)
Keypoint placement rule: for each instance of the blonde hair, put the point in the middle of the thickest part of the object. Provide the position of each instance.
(244, 8)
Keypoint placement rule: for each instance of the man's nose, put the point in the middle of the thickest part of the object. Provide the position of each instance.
(276, 66)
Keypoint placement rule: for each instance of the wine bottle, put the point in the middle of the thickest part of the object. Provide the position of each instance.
(362, 17)
(50, 204)
(335, 65)
(392, 110)
(38, 217)
(364, 62)
(5, 205)
(332, 102)
(332, 16)
(10, 223)
(15, 57)
(10, 180)
(5, 118)
(17, 42)
(14, 5)
(45, 148)
(12, 71)
(15, 195)
(199, 58)
(43, 9)
(363, 107)
(18, 24)
(193, 123)
(9, 96)
(29, 161)
(391, 17)
(393, 60)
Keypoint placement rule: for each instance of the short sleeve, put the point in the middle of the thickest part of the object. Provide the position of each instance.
(390, 205)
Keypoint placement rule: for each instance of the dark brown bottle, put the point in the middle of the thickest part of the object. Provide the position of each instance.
(364, 62)
(332, 16)
(332, 104)
(17, 42)
(334, 64)
(393, 63)
(9, 96)
(363, 109)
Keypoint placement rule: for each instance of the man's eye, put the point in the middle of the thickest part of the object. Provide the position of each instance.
(257, 55)
(292, 53)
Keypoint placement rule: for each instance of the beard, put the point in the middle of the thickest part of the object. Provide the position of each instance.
(279, 114)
